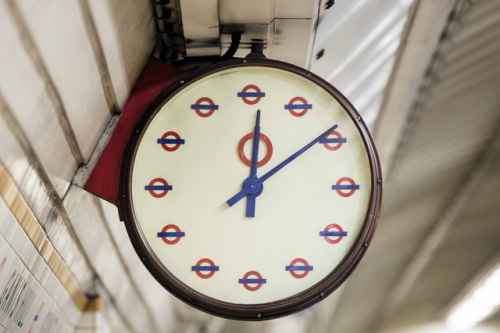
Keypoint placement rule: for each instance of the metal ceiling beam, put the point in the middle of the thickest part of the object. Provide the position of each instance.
(418, 42)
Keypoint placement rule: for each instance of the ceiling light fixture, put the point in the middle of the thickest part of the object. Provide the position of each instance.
(482, 302)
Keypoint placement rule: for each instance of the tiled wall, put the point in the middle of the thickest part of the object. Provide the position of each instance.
(65, 67)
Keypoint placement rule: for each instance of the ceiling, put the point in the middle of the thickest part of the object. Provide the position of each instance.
(425, 76)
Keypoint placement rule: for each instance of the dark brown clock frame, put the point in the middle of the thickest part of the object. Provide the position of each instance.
(262, 311)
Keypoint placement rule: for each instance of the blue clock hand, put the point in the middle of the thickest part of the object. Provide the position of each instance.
(255, 147)
(253, 166)
(258, 186)
(294, 156)
(251, 187)
(238, 196)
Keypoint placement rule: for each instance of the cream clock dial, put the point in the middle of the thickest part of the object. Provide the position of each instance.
(251, 189)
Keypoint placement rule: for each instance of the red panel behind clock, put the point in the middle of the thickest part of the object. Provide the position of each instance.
(155, 77)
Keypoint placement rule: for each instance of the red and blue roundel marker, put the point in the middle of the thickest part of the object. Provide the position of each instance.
(37, 316)
(177, 141)
(177, 233)
(262, 137)
(304, 106)
(211, 107)
(339, 187)
(304, 267)
(340, 233)
(259, 281)
(257, 93)
(211, 268)
(339, 140)
(152, 187)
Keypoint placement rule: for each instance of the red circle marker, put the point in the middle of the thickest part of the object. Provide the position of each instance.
(176, 146)
(163, 192)
(333, 226)
(338, 145)
(176, 239)
(293, 112)
(253, 87)
(299, 275)
(3, 263)
(262, 137)
(350, 181)
(247, 275)
(201, 114)
(210, 273)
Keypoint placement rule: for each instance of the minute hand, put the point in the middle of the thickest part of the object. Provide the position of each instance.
(294, 156)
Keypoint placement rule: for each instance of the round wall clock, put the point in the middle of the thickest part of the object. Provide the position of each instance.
(251, 189)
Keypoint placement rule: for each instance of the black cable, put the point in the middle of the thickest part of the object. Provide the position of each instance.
(235, 43)
(192, 63)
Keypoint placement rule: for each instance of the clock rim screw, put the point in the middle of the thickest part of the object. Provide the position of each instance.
(244, 61)
(365, 245)
(322, 294)
(379, 181)
(181, 82)
(259, 315)
(358, 118)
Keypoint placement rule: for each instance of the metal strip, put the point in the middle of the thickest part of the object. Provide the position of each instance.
(25, 217)
(83, 173)
(100, 58)
(36, 58)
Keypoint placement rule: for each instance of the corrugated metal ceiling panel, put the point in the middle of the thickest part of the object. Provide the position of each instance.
(355, 48)
(449, 140)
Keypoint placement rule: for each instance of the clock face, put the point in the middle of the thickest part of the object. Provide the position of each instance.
(244, 228)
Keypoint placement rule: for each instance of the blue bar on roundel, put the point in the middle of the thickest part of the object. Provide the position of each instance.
(252, 280)
(333, 140)
(205, 268)
(299, 268)
(204, 107)
(345, 187)
(171, 234)
(173, 141)
(158, 188)
(251, 94)
(298, 106)
(333, 233)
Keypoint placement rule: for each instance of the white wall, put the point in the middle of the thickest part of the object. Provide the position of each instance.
(65, 67)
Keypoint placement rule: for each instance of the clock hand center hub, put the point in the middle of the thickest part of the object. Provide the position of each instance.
(252, 186)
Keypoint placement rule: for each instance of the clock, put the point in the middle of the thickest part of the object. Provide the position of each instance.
(250, 189)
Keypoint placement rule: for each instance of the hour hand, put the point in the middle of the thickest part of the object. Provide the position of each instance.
(237, 197)
(250, 205)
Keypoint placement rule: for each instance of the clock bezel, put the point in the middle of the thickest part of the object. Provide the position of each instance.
(263, 311)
